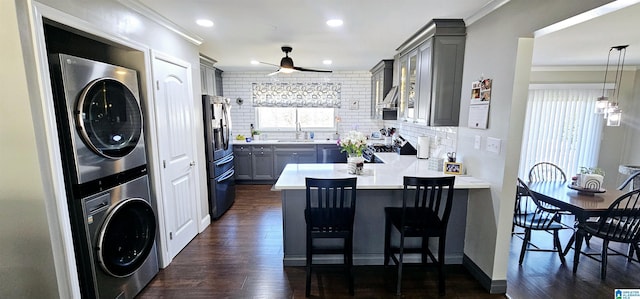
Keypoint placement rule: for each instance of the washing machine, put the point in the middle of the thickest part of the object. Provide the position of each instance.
(120, 225)
(99, 118)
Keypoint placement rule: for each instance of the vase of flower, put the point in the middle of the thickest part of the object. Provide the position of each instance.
(353, 144)
(355, 164)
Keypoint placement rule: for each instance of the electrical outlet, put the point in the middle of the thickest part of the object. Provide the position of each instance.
(476, 142)
(493, 145)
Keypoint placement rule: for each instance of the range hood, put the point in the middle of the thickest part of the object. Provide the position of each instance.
(390, 99)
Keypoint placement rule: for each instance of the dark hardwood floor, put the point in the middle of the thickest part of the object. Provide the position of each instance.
(240, 256)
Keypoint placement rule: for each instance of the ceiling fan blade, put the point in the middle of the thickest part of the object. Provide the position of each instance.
(274, 73)
(297, 68)
(269, 63)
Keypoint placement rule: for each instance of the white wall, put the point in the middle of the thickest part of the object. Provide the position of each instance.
(27, 267)
(35, 249)
(494, 50)
(356, 86)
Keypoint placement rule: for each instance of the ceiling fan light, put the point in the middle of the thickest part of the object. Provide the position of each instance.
(286, 70)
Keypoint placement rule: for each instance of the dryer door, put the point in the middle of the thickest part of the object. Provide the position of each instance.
(109, 118)
(126, 237)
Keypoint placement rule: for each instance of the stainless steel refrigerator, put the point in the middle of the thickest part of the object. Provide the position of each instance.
(220, 170)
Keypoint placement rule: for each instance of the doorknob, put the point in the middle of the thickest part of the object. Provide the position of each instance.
(193, 163)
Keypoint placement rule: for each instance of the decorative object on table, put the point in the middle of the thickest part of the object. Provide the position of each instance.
(353, 144)
(480, 99)
(590, 178)
(452, 168)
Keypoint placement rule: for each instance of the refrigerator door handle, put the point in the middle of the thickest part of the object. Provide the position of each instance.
(226, 176)
(225, 160)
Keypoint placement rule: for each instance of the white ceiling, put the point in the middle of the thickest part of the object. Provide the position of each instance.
(588, 43)
(248, 30)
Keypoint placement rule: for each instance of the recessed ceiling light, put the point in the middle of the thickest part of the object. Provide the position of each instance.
(204, 23)
(254, 62)
(334, 23)
(327, 61)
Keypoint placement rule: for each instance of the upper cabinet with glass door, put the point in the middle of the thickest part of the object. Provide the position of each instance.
(430, 65)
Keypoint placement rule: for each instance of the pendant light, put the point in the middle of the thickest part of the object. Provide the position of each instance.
(602, 104)
(614, 114)
(610, 109)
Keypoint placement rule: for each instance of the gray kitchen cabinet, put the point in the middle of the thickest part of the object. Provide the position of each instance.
(210, 77)
(262, 162)
(381, 82)
(330, 153)
(253, 162)
(242, 162)
(430, 69)
(285, 154)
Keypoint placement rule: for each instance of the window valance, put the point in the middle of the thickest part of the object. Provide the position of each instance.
(327, 95)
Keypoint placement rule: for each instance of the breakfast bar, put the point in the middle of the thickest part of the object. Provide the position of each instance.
(378, 187)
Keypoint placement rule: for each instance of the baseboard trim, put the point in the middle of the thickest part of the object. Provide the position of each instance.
(493, 286)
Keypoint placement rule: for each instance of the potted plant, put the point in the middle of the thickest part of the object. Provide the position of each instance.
(255, 134)
(353, 144)
(590, 178)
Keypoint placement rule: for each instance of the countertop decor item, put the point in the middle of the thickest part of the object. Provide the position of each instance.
(353, 144)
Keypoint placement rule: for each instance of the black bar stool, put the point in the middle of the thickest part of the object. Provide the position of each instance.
(423, 216)
(329, 214)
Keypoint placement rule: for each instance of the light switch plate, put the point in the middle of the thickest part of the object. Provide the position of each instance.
(476, 142)
(493, 145)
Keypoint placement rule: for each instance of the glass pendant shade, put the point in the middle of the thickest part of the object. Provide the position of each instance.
(601, 105)
(614, 117)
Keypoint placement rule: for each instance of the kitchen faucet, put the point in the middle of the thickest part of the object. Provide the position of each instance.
(298, 130)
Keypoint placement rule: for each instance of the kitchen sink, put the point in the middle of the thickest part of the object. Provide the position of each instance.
(296, 140)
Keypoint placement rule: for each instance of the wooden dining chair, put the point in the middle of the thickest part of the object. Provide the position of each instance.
(630, 181)
(620, 223)
(546, 172)
(532, 215)
(424, 214)
(329, 214)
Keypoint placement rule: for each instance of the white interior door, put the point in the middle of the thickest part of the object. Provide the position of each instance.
(176, 138)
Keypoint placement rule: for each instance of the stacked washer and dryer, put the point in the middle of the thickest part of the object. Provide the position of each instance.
(113, 219)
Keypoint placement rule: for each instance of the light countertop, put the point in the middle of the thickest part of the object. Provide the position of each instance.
(387, 175)
(285, 141)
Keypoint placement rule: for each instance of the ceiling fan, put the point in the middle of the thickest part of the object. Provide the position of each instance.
(286, 64)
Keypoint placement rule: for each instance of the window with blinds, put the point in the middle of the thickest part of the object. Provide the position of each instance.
(561, 127)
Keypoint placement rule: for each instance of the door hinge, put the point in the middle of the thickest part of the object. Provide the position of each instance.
(158, 84)
(164, 163)
(170, 236)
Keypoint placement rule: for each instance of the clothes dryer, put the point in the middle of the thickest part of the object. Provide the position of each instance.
(99, 117)
(120, 226)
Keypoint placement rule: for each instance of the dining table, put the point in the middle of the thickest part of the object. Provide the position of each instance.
(584, 205)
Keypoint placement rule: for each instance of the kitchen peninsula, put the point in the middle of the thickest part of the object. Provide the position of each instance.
(379, 186)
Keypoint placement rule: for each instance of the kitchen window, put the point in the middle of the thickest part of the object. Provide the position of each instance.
(286, 118)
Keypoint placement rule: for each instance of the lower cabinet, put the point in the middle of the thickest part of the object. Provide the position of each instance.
(262, 164)
(285, 154)
(253, 162)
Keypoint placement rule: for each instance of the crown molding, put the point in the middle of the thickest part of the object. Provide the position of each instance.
(578, 68)
(485, 10)
(161, 20)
